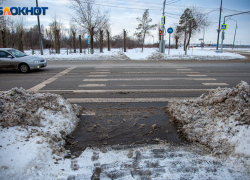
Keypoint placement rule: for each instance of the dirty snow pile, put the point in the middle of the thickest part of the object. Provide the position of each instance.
(193, 55)
(108, 55)
(36, 124)
(219, 120)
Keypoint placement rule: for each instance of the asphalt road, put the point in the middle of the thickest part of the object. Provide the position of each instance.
(129, 79)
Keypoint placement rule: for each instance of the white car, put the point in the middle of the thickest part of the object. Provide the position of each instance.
(14, 59)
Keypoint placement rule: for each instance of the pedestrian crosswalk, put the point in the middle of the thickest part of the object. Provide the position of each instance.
(125, 80)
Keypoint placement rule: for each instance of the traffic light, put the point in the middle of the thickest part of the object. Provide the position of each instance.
(223, 35)
(159, 32)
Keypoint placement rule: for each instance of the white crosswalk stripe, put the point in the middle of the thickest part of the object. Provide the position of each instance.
(151, 79)
(123, 100)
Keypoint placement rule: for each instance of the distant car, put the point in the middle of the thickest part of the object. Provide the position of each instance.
(14, 59)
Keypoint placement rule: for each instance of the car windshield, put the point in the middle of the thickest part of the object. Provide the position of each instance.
(17, 53)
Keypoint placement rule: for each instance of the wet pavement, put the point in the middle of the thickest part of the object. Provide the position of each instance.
(123, 124)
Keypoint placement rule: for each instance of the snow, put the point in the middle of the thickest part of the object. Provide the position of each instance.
(33, 127)
(219, 120)
(137, 54)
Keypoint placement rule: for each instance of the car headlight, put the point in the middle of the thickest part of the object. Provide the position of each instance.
(36, 62)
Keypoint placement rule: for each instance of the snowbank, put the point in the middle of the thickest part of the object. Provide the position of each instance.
(147, 54)
(32, 130)
(219, 120)
(107, 55)
(193, 55)
(31, 146)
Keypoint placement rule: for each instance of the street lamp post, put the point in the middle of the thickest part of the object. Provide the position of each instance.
(225, 22)
(40, 36)
(234, 32)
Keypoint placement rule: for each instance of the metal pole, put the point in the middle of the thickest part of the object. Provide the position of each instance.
(169, 44)
(40, 36)
(218, 37)
(223, 35)
(203, 39)
(162, 33)
(235, 34)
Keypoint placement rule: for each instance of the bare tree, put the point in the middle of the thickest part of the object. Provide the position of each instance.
(20, 28)
(55, 32)
(89, 16)
(144, 26)
(3, 29)
(73, 31)
(176, 36)
(191, 22)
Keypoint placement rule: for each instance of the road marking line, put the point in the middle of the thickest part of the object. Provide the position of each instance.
(105, 70)
(205, 79)
(95, 80)
(124, 85)
(215, 84)
(110, 100)
(97, 75)
(139, 67)
(184, 69)
(92, 85)
(196, 75)
(136, 91)
(150, 79)
(179, 72)
(50, 80)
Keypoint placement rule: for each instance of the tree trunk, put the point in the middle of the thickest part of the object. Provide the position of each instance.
(58, 41)
(108, 41)
(80, 43)
(101, 41)
(92, 41)
(3, 32)
(20, 41)
(176, 42)
(185, 34)
(189, 37)
(74, 41)
(143, 41)
(55, 42)
(124, 40)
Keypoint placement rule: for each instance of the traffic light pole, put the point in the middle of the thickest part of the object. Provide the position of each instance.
(223, 33)
(218, 37)
(162, 32)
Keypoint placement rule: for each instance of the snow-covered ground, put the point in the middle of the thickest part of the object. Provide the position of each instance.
(33, 126)
(136, 54)
(220, 121)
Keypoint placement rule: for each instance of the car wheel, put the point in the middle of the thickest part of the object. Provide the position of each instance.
(24, 68)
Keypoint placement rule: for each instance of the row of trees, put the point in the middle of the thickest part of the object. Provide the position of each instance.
(88, 19)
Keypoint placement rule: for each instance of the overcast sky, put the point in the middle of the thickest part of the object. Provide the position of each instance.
(123, 14)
